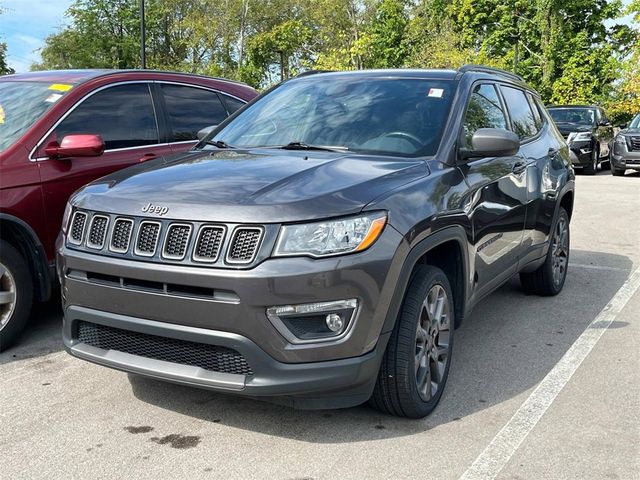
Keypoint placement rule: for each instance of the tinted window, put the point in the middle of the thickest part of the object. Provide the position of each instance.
(191, 109)
(484, 111)
(402, 116)
(522, 119)
(233, 104)
(123, 116)
(536, 112)
(579, 115)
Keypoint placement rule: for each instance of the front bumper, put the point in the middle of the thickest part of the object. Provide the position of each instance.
(624, 158)
(323, 374)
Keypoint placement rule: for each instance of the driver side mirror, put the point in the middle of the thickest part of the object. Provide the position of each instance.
(492, 142)
(206, 131)
(76, 146)
(605, 123)
(622, 126)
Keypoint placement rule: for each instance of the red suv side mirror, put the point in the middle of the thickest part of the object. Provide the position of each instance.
(76, 146)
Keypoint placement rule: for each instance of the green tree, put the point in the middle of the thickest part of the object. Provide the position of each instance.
(5, 69)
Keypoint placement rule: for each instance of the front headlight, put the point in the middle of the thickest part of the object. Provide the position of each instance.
(65, 217)
(331, 237)
(579, 137)
(620, 139)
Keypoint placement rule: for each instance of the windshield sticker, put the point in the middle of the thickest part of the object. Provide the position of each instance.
(1, 115)
(436, 92)
(60, 87)
(53, 98)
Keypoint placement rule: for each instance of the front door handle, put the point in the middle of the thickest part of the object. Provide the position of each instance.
(147, 156)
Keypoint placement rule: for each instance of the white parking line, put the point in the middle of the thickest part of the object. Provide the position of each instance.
(498, 453)
(596, 267)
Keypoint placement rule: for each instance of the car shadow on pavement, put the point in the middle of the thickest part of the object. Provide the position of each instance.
(42, 335)
(506, 347)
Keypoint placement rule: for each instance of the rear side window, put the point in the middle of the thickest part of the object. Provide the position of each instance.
(536, 112)
(191, 109)
(483, 111)
(522, 118)
(122, 115)
(233, 104)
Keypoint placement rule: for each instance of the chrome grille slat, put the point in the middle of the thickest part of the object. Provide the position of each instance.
(97, 232)
(208, 243)
(76, 232)
(635, 143)
(244, 245)
(147, 240)
(176, 241)
(121, 235)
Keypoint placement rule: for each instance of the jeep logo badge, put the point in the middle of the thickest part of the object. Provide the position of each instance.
(157, 209)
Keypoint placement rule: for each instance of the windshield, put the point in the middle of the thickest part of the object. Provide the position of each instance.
(21, 104)
(635, 123)
(397, 116)
(581, 116)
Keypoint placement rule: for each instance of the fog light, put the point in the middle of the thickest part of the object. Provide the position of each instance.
(334, 322)
(314, 322)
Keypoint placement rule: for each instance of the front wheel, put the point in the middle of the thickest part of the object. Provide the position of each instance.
(592, 167)
(16, 294)
(549, 278)
(616, 172)
(416, 363)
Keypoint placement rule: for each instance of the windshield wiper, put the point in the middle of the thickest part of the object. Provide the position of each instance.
(218, 144)
(306, 146)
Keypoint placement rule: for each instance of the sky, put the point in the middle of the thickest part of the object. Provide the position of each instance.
(24, 25)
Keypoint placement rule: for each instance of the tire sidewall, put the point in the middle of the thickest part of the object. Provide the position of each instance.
(549, 261)
(19, 269)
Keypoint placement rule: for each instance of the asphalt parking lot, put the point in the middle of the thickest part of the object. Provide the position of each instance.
(540, 388)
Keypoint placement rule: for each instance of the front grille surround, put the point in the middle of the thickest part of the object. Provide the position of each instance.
(145, 246)
(77, 227)
(635, 143)
(179, 241)
(98, 231)
(243, 249)
(121, 235)
(212, 358)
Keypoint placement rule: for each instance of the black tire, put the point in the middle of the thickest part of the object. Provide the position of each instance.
(14, 276)
(404, 363)
(543, 281)
(616, 172)
(592, 167)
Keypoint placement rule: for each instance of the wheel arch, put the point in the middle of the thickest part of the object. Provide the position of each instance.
(22, 237)
(445, 249)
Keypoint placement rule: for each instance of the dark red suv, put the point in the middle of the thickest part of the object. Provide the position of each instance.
(60, 130)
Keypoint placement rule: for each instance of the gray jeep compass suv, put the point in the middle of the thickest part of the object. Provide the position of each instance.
(320, 246)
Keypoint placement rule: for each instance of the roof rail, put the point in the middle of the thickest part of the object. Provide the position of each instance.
(312, 72)
(470, 67)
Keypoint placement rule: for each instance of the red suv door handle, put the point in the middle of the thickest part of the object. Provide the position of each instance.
(147, 156)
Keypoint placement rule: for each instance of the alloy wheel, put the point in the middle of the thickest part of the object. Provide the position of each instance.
(433, 338)
(560, 250)
(7, 295)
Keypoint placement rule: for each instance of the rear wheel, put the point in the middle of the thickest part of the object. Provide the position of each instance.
(416, 363)
(16, 294)
(549, 279)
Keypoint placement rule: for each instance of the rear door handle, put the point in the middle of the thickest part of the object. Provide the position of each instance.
(519, 167)
(147, 156)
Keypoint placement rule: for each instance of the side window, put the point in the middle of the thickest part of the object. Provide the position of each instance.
(536, 112)
(122, 115)
(522, 119)
(233, 104)
(191, 109)
(483, 111)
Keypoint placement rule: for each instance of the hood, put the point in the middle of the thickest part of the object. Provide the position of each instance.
(567, 127)
(259, 186)
(630, 131)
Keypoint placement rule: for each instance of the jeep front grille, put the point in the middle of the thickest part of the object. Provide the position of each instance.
(121, 235)
(97, 231)
(177, 241)
(169, 241)
(213, 358)
(147, 241)
(635, 143)
(208, 244)
(244, 245)
(77, 228)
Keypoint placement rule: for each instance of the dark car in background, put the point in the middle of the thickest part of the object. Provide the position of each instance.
(626, 148)
(320, 247)
(588, 132)
(60, 130)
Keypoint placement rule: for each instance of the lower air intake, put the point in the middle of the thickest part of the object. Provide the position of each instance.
(208, 357)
